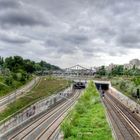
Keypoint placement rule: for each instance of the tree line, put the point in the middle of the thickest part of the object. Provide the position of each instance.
(17, 63)
(118, 70)
(19, 69)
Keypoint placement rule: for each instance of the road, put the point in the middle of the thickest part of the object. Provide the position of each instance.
(4, 101)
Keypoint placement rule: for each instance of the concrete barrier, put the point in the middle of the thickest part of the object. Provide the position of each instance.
(132, 105)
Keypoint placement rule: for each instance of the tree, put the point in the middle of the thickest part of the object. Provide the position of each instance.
(1, 61)
(37, 67)
(29, 66)
(14, 63)
(117, 70)
(102, 71)
(9, 63)
(8, 80)
(17, 63)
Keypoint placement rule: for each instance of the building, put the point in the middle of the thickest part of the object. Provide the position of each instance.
(97, 68)
(128, 66)
(135, 62)
(132, 63)
(110, 67)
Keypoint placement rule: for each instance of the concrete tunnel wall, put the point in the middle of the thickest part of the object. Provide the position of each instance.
(103, 86)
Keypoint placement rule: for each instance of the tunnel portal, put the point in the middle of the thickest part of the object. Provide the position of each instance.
(102, 85)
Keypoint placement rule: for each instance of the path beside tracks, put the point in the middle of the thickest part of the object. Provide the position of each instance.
(4, 101)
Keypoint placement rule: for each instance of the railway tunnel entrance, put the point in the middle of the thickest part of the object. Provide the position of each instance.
(102, 85)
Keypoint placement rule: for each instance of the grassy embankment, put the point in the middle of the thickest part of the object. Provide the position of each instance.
(87, 120)
(47, 86)
(127, 86)
(5, 89)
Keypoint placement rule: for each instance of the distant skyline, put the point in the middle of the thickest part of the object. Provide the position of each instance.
(86, 66)
(68, 32)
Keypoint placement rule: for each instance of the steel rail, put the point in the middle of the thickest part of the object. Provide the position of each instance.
(126, 118)
(61, 117)
(42, 118)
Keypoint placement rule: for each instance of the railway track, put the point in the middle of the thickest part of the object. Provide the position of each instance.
(42, 127)
(126, 123)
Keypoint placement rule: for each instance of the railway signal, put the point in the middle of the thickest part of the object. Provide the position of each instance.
(138, 93)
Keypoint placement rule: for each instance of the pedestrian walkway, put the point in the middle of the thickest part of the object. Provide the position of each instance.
(4, 101)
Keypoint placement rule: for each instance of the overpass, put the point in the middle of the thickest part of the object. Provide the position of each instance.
(78, 70)
(74, 72)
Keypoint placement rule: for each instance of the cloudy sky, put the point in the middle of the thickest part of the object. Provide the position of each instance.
(69, 32)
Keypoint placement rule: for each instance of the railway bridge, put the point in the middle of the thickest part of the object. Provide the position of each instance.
(71, 72)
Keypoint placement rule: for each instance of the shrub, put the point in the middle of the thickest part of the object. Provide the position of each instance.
(8, 81)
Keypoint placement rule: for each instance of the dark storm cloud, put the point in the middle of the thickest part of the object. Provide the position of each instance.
(66, 43)
(61, 8)
(21, 18)
(51, 43)
(14, 39)
(8, 4)
(61, 46)
(75, 39)
(129, 40)
(67, 50)
(106, 32)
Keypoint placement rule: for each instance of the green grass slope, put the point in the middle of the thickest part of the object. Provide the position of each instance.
(46, 87)
(87, 121)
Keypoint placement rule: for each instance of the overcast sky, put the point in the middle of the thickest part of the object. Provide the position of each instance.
(69, 32)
